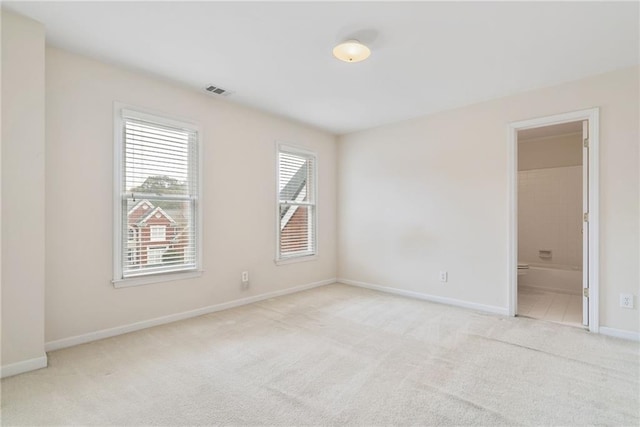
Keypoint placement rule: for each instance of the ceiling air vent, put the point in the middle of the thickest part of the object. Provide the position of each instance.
(218, 90)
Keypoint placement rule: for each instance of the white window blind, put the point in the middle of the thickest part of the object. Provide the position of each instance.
(296, 203)
(158, 197)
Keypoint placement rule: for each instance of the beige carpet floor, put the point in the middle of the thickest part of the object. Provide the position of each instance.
(336, 355)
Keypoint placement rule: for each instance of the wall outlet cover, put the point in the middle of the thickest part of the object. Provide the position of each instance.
(626, 300)
(244, 278)
(444, 276)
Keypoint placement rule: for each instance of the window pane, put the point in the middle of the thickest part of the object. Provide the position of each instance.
(295, 173)
(158, 233)
(296, 198)
(159, 186)
(297, 235)
(157, 159)
(160, 236)
(155, 254)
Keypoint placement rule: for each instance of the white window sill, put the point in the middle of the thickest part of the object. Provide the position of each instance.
(293, 260)
(155, 278)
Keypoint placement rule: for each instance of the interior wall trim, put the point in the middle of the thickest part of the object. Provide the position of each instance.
(620, 333)
(427, 297)
(119, 330)
(23, 366)
(592, 271)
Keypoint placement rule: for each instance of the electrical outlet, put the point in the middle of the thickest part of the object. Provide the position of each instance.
(245, 279)
(626, 300)
(444, 276)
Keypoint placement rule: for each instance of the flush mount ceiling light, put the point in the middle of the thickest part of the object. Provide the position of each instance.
(351, 51)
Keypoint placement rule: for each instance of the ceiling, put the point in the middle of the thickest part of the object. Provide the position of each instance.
(276, 56)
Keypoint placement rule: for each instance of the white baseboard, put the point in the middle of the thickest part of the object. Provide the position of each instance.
(119, 330)
(620, 333)
(23, 366)
(433, 298)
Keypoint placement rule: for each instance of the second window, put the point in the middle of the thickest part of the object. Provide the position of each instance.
(296, 203)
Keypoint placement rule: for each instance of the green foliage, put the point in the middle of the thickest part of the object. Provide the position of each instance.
(161, 184)
(173, 256)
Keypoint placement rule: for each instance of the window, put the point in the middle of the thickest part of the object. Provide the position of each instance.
(154, 255)
(296, 203)
(158, 233)
(130, 256)
(156, 198)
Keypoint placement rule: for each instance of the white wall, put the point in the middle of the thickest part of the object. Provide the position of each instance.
(23, 209)
(431, 194)
(238, 198)
(550, 152)
(550, 216)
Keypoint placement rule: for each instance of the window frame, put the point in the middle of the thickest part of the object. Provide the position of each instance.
(303, 151)
(153, 228)
(119, 251)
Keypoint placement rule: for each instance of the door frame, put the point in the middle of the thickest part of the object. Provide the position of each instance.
(593, 116)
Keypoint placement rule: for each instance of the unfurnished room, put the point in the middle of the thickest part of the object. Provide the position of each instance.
(320, 213)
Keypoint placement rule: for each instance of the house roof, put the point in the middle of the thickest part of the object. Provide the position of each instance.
(294, 186)
(137, 205)
(158, 210)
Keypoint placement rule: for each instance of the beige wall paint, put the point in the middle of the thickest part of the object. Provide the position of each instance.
(430, 194)
(238, 198)
(550, 216)
(552, 152)
(415, 197)
(23, 209)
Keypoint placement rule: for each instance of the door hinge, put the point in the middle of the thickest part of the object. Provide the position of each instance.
(585, 217)
(585, 292)
(585, 142)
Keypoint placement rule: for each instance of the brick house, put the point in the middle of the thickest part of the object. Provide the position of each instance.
(294, 236)
(153, 236)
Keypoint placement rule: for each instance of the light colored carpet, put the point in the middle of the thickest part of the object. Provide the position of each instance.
(336, 355)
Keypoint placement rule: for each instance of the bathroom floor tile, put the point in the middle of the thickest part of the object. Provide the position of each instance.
(551, 306)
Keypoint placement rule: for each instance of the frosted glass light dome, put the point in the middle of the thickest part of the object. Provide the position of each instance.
(351, 51)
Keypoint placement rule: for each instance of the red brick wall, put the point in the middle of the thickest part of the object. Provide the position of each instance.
(295, 235)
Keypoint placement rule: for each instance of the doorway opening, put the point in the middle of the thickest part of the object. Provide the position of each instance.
(553, 232)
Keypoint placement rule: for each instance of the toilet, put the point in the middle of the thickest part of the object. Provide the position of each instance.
(522, 269)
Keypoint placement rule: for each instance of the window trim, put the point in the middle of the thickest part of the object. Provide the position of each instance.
(118, 170)
(295, 149)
